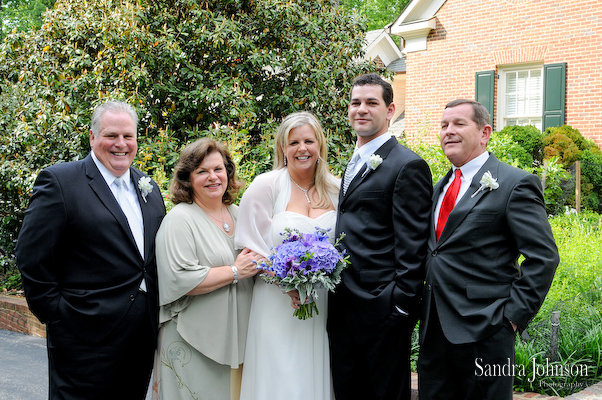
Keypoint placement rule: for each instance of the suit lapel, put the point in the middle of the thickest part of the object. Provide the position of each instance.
(99, 186)
(436, 194)
(468, 201)
(383, 151)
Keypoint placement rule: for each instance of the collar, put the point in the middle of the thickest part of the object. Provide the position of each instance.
(370, 148)
(470, 169)
(107, 175)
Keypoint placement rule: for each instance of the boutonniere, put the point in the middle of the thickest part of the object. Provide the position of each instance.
(373, 162)
(487, 182)
(144, 184)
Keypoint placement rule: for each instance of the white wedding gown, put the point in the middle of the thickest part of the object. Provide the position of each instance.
(287, 358)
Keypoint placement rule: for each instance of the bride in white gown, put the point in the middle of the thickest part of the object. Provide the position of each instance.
(288, 358)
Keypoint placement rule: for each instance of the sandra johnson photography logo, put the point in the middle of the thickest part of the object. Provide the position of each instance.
(538, 370)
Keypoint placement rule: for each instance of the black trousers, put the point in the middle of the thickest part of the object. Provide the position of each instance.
(118, 367)
(472, 371)
(368, 361)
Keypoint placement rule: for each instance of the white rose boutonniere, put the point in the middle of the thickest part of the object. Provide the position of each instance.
(145, 186)
(373, 162)
(487, 182)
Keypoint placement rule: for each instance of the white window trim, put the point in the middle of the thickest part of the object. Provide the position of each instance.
(501, 95)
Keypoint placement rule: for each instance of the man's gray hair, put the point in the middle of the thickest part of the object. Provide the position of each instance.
(112, 105)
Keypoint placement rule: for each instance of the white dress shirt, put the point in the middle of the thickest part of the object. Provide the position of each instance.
(367, 150)
(469, 170)
(110, 178)
(132, 198)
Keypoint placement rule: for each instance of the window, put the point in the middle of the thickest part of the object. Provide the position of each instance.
(521, 96)
(527, 95)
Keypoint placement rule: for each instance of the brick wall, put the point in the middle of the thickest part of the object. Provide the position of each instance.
(15, 316)
(479, 35)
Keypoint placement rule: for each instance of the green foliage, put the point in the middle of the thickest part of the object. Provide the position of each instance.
(245, 65)
(22, 15)
(431, 153)
(378, 13)
(555, 175)
(51, 80)
(591, 169)
(573, 134)
(579, 363)
(527, 137)
(10, 277)
(228, 69)
(559, 145)
(579, 241)
(567, 143)
(524, 147)
(11, 280)
(507, 150)
(577, 293)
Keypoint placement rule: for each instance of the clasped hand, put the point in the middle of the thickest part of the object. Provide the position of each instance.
(246, 262)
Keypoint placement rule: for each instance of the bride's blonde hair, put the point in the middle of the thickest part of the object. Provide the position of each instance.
(323, 184)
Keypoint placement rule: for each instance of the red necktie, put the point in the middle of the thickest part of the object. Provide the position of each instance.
(449, 201)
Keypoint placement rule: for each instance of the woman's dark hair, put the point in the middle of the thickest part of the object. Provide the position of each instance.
(192, 156)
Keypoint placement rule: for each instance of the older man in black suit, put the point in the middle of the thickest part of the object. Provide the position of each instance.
(86, 255)
(485, 215)
(384, 207)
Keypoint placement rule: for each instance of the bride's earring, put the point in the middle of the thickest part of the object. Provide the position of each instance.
(285, 160)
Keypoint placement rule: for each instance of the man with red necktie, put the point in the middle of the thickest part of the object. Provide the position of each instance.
(476, 294)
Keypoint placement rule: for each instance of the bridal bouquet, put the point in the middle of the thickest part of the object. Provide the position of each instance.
(305, 262)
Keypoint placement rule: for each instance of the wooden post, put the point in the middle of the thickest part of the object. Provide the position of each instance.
(544, 175)
(578, 186)
(554, 335)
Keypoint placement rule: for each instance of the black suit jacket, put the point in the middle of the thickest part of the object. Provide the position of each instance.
(472, 273)
(385, 215)
(77, 255)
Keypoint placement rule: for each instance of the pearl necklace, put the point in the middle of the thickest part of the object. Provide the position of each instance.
(303, 190)
(225, 225)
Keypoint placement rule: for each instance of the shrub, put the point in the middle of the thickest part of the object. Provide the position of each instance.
(591, 171)
(567, 143)
(507, 150)
(529, 138)
(554, 190)
(569, 146)
(191, 68)
(571, 133)
(430, 152)
(559, 145)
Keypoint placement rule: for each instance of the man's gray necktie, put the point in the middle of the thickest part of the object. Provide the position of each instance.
(350, 172)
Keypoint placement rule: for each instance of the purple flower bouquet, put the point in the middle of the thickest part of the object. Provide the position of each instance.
(305, 262)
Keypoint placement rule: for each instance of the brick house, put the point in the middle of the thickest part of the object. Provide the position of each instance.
(530, 62)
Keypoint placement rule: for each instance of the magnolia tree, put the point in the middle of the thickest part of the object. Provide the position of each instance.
(223, 68)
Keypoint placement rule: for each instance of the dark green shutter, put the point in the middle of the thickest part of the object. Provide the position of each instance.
(485, 91)
(554, 87)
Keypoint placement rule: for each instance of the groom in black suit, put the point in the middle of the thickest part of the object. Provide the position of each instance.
(384, 207)
(87, 257)
(485, 215)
